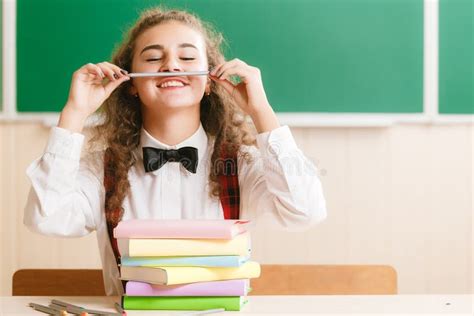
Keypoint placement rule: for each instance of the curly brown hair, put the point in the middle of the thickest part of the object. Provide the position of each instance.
(122, 118)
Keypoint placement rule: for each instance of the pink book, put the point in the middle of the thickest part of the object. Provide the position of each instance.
(239, 287)
(182, 228)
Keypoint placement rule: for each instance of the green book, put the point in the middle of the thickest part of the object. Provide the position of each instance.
(230, 303)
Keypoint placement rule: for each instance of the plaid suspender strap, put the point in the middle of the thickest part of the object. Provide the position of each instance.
(111, 215)
(229, 196)
(229, 181)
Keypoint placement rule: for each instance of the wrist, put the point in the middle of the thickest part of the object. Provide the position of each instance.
(264, 119)
(72, 107)
(256, 112)
(72, 119)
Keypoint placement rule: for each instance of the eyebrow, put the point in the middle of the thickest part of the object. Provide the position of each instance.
(160, 47)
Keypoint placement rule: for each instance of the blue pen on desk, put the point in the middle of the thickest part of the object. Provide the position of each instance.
(168, 74)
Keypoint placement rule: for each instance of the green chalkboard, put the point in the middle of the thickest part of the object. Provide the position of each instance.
(456, 49)
(315, 55)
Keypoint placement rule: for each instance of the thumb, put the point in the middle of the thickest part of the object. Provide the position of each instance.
(228, 86)
(112, 85)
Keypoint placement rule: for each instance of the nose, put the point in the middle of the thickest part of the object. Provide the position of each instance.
(170, 65)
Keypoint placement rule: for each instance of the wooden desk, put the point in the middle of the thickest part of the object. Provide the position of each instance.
(282, 305)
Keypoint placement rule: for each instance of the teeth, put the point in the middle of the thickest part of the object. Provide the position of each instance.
(171, 84)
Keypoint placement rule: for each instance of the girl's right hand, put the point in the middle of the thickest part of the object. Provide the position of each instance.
(89, 89)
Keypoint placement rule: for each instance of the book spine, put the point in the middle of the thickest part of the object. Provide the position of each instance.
(216, 288)
(231, 303)
(239, 246)
(199, 261)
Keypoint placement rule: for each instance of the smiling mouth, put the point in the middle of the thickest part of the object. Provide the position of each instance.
(171, 88)
(171, 85)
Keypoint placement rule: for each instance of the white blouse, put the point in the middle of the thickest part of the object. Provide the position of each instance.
(67, 195)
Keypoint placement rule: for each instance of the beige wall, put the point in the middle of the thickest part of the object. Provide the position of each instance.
(399, 195)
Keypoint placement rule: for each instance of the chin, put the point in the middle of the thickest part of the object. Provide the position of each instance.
(174, 104)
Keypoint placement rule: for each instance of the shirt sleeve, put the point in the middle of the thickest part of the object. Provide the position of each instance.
(67, 196)
(280, 182)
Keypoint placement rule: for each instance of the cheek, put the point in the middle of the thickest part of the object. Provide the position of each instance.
(200, 83)
(144, 84)
(143, 66)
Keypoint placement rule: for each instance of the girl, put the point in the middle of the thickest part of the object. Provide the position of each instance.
(174, 147)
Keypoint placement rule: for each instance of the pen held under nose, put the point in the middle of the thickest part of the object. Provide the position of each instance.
(167, 74)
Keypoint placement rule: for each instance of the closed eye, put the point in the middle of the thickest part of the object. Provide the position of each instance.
(184, 58)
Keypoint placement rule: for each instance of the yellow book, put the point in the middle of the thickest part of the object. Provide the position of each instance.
(181, 275)
(154, 247)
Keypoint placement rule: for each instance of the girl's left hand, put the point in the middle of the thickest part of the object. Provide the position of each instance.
(249, 93)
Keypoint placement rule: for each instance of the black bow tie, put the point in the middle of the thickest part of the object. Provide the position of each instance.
(155, 158)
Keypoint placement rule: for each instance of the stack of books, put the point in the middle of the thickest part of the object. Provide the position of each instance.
(185, 264)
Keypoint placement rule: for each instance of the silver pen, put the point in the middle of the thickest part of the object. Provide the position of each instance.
(44, 309)
(79, 309)
(168, 74)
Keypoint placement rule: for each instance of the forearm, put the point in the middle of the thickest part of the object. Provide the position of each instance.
(72, 119)
(61, 200)
(265, 119)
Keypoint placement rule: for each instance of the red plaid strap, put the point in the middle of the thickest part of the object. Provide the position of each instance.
(229, 196)
(228, 177)
(111, 215)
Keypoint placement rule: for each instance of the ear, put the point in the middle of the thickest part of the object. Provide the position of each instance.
(208, 86)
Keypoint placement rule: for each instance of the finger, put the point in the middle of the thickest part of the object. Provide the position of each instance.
(228, 65)
(237, 70)
(109, 71)
(217, 68)
(95, 70)
(117, 70)
(227, 85)
(112, 85)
